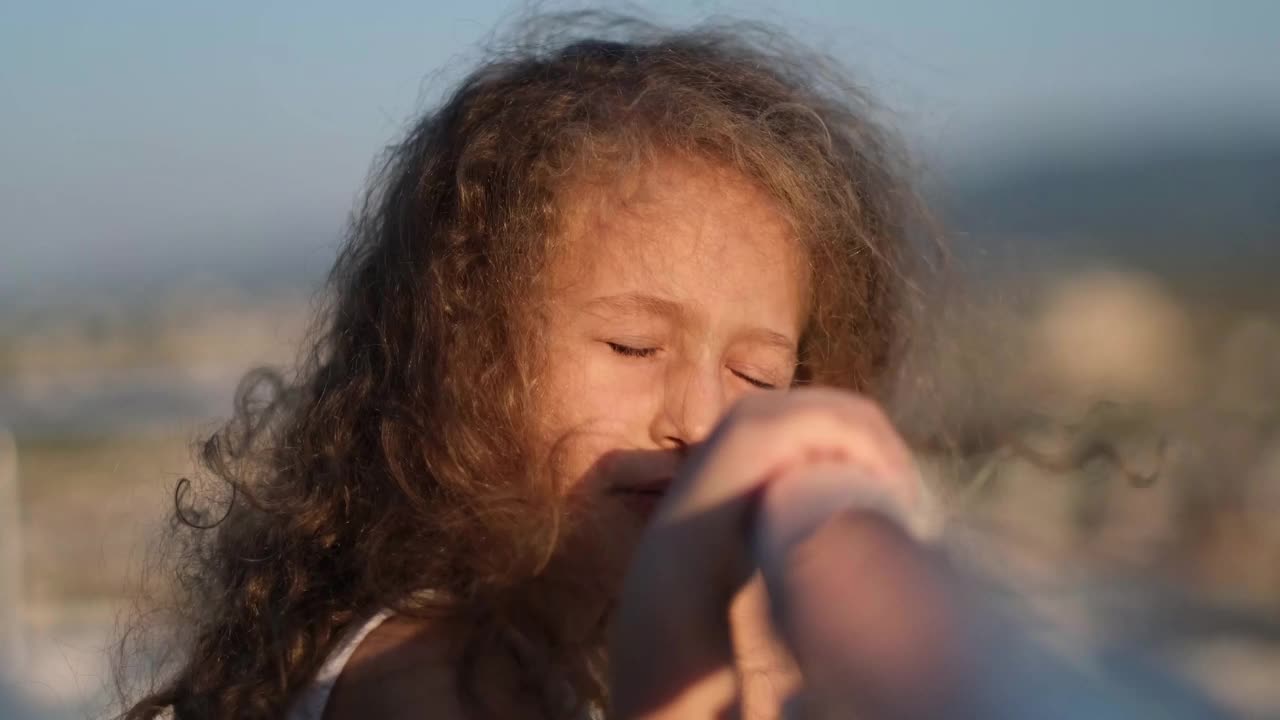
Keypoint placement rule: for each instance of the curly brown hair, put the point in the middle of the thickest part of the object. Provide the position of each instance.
(393, 460)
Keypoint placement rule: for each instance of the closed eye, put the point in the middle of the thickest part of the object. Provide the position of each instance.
(629, 351)
(758, 383)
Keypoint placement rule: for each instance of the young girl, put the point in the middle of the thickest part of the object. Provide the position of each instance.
(559, 283)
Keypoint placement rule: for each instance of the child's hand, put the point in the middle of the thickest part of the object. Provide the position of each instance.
(672, 648)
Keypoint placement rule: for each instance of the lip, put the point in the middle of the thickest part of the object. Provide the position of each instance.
(644, 497)
(655, 486)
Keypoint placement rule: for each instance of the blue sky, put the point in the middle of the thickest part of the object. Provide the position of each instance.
(178, 134)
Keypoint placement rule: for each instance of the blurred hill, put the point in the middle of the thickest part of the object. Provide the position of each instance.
(1170, 200)
(1188, 206)
(263, 262)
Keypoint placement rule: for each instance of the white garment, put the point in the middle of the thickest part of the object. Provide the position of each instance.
(311, 703)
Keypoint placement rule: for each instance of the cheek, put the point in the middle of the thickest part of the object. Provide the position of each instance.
(591, 406)
(586, 384)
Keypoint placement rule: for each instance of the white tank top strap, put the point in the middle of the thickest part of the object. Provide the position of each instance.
(311, 703)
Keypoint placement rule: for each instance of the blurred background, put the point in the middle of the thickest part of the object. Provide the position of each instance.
(174, 180)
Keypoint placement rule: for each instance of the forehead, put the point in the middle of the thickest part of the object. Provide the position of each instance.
(678, 227)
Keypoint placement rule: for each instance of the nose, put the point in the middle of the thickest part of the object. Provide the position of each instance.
(693, 398)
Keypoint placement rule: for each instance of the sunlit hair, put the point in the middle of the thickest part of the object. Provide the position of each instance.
(396, 459)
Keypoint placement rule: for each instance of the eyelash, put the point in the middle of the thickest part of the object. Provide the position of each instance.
(758, 383)
(635, 352)
(628, 351)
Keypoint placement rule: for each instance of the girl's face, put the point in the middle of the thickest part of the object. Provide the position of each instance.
(673, 292)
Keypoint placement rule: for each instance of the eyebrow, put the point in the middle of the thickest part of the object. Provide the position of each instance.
(654, 305)
(638, 302)
(764, 336)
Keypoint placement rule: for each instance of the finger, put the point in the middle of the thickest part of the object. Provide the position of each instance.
(671, 652)
(863, 607)
(763, 437)
(675, 602)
